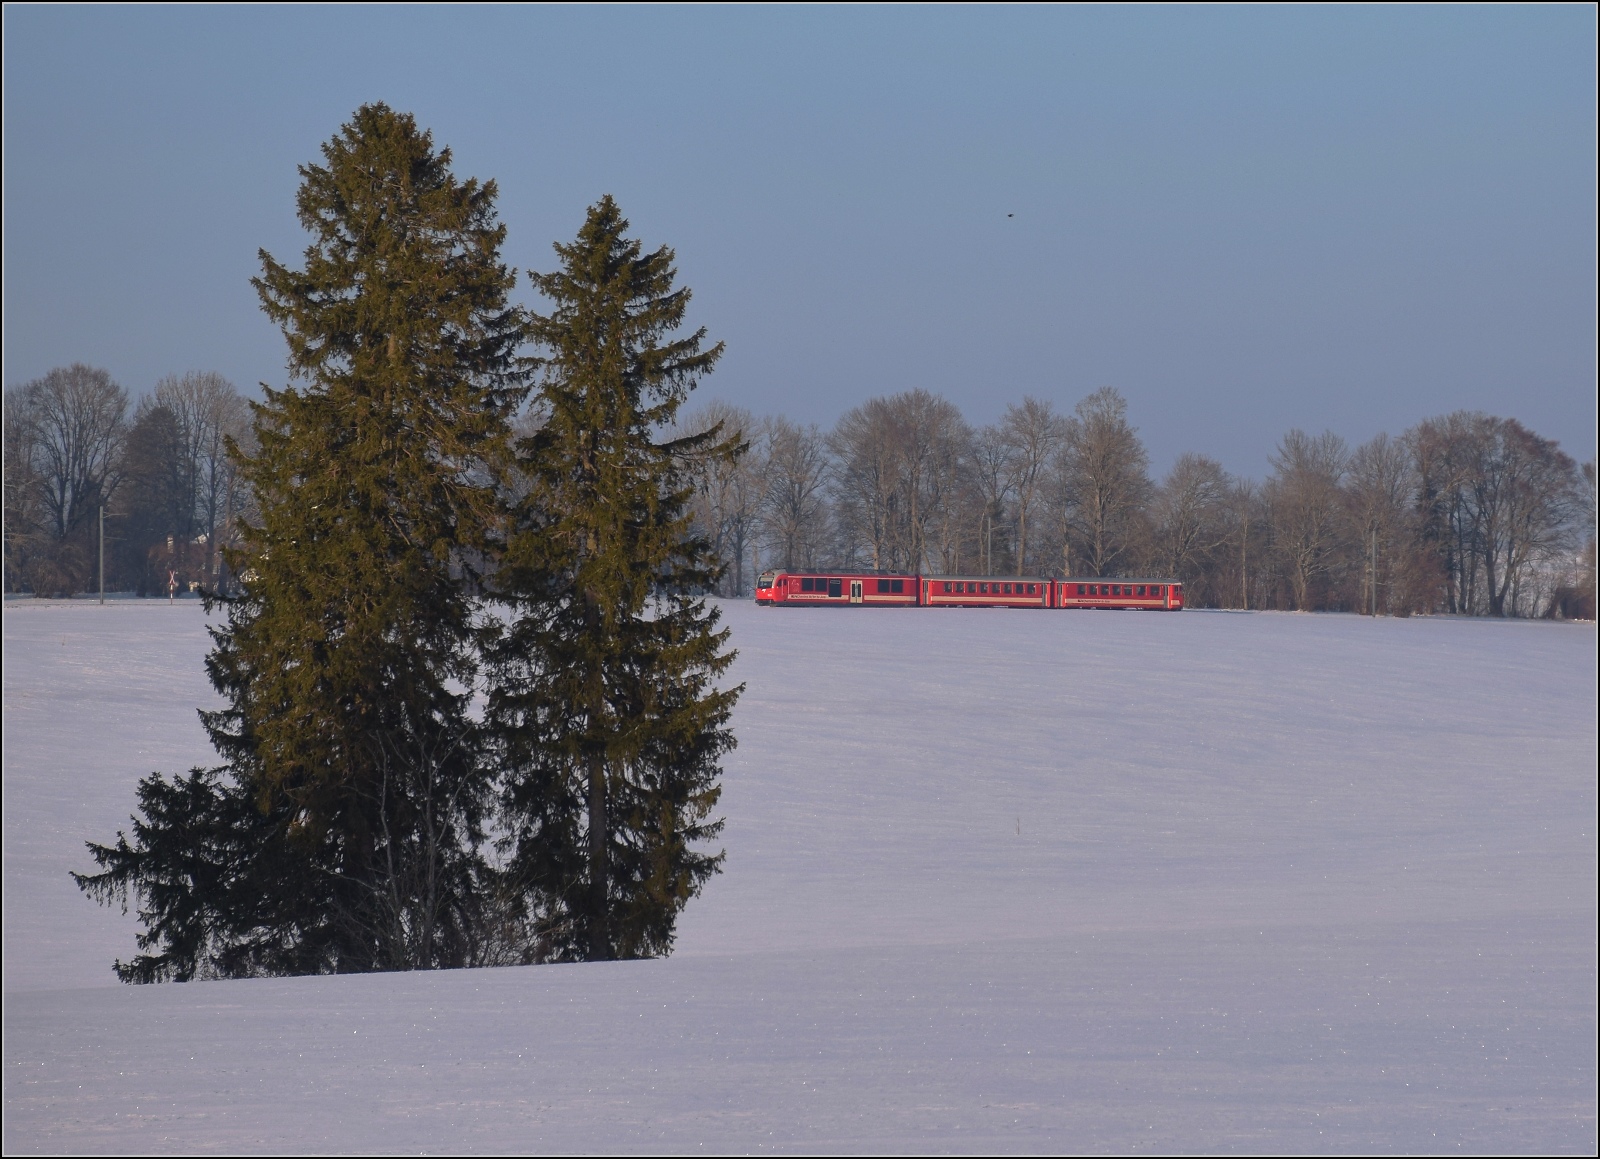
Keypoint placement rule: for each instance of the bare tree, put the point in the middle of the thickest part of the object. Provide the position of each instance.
(25, 508)
(1188, 512)
(78, 418)
(1447, 454)
(1584, 600)
(746, 496)
(794, 510)
(930, 434)
(991, 458)
(208, 410)
(1244, 526)
(866, 448)
(1527, 495)
(951, 490)
(1494, 500)
(1105, 472)
(66, 431)
(1033, 434)
(1306, 502)
(1381, 483)
(727, 497)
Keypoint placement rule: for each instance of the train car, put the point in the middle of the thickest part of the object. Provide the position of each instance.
(1162, 595)
(985, 591)
(877, 589)
(835, 589)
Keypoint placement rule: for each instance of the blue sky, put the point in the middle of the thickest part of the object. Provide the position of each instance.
(1246, 220)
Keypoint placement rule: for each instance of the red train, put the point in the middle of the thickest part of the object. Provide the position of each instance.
(846, 589)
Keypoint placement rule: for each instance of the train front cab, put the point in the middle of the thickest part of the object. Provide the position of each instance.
(799, 589)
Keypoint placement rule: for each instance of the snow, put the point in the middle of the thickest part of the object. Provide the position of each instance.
(996, 880)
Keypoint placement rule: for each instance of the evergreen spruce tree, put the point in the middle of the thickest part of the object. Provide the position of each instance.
(605, 701)
(344, 832)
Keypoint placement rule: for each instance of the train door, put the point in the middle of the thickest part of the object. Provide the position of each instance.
(855, 591)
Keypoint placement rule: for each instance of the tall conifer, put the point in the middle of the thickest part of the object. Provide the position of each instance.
(605, 701)
(344, 833)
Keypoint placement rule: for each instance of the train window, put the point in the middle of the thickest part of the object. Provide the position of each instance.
(1116, 589)
(947, 586)
(806, 585)
(834, 587)
(883, 586)
(1155, 590)
(1031, 591)
(899, 587)
(1140, 592)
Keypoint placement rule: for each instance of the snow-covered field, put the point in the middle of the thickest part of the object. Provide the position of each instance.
(996, 880)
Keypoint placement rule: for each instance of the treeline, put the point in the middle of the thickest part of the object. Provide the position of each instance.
(78, 451)
(472, 697)
(1465, 514)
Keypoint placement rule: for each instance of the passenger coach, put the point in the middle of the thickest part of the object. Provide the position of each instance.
(844, 589)
(1154, 594)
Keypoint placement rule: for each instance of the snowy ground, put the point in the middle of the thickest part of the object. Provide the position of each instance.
(996, 880)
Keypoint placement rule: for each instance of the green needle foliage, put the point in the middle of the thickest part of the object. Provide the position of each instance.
(344, 833)
(605, 704)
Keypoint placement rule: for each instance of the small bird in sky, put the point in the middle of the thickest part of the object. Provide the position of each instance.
(1011, 215)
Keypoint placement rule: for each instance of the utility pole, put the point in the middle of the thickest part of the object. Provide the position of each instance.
(102, 553)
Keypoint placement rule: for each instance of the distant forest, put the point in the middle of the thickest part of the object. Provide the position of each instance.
(1466, 514)
(76, 445)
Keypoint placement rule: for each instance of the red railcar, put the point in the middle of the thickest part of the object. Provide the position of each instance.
(844, 589)
(985, 591)
(838, 589)
(1152, 594)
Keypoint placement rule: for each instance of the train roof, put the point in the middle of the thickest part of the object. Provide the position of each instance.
(1034, 579)
(822, 571)
(1038, 579)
